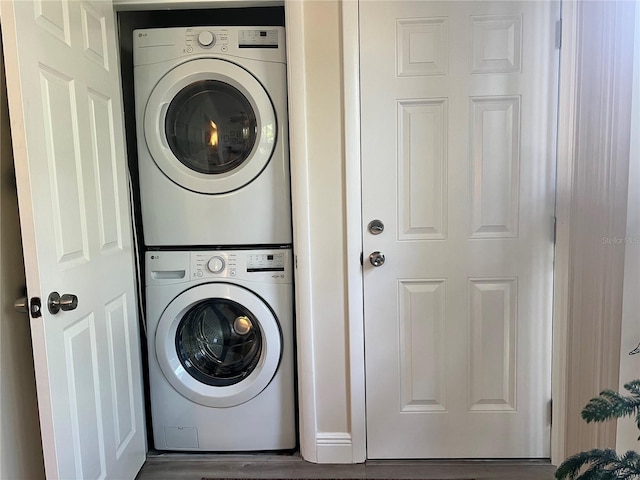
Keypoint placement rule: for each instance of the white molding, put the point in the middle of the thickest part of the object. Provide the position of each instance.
(626, 431)
(353, 181)
(298, 151)
(334, 447)
(564, 187)
(597, 142)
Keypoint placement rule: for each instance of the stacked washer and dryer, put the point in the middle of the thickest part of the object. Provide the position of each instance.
(211, 115)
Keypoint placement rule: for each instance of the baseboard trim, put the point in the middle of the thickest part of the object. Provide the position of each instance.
(334, 447)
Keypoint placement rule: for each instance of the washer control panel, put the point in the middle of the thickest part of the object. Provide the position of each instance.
(165, 267)
(257, 265)
(213, 264)
(265, 262)
(216, 264)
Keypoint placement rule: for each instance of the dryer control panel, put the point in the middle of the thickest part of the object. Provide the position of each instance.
(265, 38)
(262, 43)
(206, 39)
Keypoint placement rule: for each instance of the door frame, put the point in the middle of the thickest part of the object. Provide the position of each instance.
(351, 67)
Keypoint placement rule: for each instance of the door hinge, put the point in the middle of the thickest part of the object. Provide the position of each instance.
(361, 259)
(551, 412)
(555, 229)
(559, 33)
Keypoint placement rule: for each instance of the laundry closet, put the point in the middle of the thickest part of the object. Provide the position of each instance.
(217, 254)
(78, 240)
(215, 209)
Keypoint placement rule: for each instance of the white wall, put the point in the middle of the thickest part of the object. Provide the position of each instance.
(627, 433)
(20, 448)
(319, 233)
(326, 208)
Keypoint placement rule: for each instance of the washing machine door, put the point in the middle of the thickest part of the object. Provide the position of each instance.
(210, 126)
(218, 344)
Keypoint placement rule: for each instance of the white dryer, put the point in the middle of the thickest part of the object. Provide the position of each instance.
(211, 116)
(220, 345)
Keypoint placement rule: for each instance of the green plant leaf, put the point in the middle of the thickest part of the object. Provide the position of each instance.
(612, 404)
(600, 465)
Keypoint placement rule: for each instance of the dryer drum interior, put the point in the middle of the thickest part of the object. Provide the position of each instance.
(219, 342)
(211, 127)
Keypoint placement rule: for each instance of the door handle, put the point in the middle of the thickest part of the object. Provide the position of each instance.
(66, 302)
(21, 305)
(376, 259)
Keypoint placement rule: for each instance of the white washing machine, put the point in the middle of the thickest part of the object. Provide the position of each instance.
(211, 116)
(220, 344)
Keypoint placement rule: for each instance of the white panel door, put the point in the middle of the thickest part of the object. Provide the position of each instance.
(458, 160)
(66, 112)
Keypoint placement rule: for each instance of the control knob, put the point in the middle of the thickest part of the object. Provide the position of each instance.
(215, 264)
(206, 39)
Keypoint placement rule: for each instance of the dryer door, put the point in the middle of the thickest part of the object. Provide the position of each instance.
(210, 126)
(218, 344)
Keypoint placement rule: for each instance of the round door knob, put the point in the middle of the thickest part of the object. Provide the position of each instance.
(66, 302)
(376, 259)
(21, 305)
(215, 264)
(206, 39)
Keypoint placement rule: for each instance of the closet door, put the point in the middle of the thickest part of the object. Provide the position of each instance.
(63, 84)
(458, 162)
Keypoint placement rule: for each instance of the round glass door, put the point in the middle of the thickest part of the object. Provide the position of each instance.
(211, 127)
(219, 342)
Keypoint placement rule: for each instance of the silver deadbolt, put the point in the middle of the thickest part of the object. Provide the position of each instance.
(66, 302)
(376, 227)
(376, 259)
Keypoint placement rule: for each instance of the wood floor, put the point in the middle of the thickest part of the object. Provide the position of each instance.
(172, 466)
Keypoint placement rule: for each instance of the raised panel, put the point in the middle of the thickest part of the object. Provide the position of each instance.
(84, 403)
(495, 166)
(497, 43)
(422, 340)
(120, 372)
(492, 356)
(53, 17)
(105, 167)
(422, 46)
(94, 35)
(422, 169)
(67, 185)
